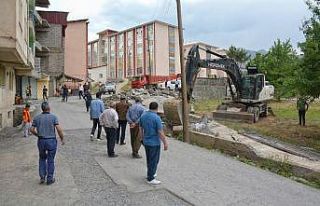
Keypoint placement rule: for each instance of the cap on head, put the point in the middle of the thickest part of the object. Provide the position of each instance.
(45, 106)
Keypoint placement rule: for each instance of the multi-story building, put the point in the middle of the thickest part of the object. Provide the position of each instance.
(17, 51)
(52, 39)
(76, 42)
(204, 72)
(144, 51)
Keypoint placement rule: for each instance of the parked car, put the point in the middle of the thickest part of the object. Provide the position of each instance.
(172, 85)
(108, 87)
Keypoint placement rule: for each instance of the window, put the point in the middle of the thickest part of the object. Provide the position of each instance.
(139, 50)
(120, 66)
(112, 57)
(149, 52)
(129, 54)
(172, 49)
(2, 77)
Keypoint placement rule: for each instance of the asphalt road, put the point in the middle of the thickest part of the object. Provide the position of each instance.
(85, 176)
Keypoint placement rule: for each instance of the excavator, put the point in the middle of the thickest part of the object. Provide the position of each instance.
(249, 89)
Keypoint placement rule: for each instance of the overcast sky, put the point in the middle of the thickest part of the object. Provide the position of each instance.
(251, 24)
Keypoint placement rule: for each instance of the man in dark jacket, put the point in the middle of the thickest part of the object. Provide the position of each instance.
(302, 107)
(122, 109)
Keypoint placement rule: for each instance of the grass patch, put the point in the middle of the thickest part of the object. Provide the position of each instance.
(283, 126)
(206, 106)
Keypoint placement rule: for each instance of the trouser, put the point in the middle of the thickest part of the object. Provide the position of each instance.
(122, 127)
(26, 129)
(135, 140)
(65, 97)
(80, 94)
(302, 117)
(45, 97)
(47, 151)
(111, 139)
(153, 157)
(94, 127)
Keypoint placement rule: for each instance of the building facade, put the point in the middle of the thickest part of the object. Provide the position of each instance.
(75, 55)
(53, 39)
(150, 49)
(204, 72)
(17, 51)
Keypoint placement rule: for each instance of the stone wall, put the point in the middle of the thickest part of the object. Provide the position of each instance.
(208, 88)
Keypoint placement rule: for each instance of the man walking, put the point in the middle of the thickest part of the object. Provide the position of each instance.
(26, 120)
(45, 93)
(122, 109)
(152, 133)
(96, 109)
(133, 115)
(44, 126)
(109, 120)
(302, 107)
(80, 91)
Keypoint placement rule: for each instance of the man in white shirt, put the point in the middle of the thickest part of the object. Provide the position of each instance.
(109, 120)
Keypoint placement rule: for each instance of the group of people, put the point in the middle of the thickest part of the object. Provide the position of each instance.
(145, 128)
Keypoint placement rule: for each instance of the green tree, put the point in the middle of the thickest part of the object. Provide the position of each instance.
(240, 55)
(308, 76)
(279, 65)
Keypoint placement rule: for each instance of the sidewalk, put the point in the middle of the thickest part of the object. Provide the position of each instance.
(204, 177)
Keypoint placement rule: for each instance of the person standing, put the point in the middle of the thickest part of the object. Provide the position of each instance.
(302, 107)
(64, 93)
(122, 109)
(109, 120)
(152, 132)
(133, 115)
(45, 93)
(44, 126)
(28, 92)
(26, 117)
(88, 98)
(85, 88)
(81, 91)
(96, 109)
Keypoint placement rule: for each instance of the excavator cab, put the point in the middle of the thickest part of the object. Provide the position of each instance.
(251, 86)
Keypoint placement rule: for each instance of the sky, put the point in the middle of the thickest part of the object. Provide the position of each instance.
(249, 24)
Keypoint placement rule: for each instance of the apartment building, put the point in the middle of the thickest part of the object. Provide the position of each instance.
(52, 39)
(147, 50)
(17, 51)
(204, 72)
(75, 55)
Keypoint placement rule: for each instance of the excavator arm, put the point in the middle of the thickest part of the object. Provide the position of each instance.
(228, 65)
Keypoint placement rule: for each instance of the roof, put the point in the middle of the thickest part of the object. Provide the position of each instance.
(42, 3)
(200, 43)
(79, 20)
(140, 25)
(55, 17)
(107, 31)
(93, 41)
(68, 77)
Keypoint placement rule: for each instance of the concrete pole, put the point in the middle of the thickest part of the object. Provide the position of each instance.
(185, 105)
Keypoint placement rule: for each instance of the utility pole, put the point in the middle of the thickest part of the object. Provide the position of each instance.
(185, 105)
